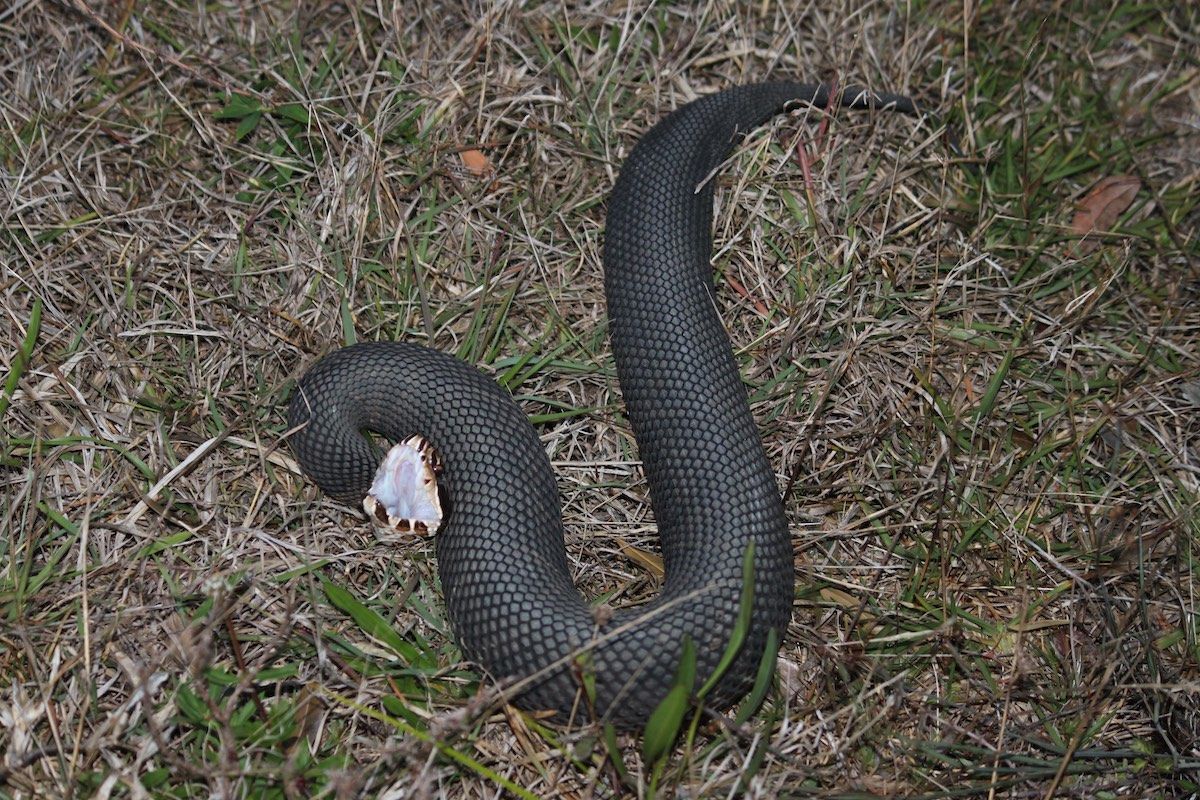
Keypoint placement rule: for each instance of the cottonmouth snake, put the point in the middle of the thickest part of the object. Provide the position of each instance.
(501, 557)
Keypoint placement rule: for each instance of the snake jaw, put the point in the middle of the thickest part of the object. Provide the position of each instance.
(404, 496)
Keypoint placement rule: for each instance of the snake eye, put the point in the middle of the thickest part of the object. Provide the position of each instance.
(404, 496)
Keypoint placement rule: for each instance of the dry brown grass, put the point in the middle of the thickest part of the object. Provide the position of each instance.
(990, 437)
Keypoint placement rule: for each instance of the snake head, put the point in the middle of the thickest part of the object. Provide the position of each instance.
(404, 496)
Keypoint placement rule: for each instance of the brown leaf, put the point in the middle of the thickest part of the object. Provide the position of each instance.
(1108, 199)
(843, 599)
(649, 561)
(476, 162)
(848, 602)
(736, 285)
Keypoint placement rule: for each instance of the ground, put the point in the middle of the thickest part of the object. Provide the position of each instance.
(970, 341)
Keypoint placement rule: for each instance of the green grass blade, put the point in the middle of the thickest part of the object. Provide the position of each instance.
(740, 627)
(993, 389)
(762, 680)
(614, 754)
(443, 748)
(369, 621)
(666, 719)
(24, 354)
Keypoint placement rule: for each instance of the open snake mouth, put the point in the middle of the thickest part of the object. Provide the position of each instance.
(404, 496)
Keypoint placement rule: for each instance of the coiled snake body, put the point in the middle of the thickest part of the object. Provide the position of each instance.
(501, 557)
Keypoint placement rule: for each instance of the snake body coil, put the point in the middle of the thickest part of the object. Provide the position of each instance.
(501, 556)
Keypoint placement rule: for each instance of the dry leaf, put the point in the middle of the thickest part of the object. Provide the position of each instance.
(476, 162)
(789, 676)
(650, 562)
(847, 602)
(843, 599)
(759, 305)
(1108, 199)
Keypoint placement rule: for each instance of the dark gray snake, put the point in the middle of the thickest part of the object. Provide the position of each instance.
(501, 556)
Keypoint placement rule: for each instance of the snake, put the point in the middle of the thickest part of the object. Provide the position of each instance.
(727, 553)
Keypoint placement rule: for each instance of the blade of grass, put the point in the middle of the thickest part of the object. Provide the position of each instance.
(23, 357)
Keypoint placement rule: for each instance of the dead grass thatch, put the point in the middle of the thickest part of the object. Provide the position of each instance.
(988, 432)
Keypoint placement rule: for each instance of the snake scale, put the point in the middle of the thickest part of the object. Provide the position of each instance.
(501, 555)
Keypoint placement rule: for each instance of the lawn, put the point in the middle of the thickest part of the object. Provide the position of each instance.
(970, 340)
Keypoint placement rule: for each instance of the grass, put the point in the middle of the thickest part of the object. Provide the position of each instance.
(987, 435)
